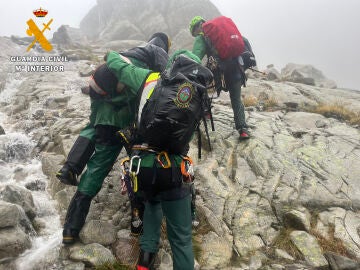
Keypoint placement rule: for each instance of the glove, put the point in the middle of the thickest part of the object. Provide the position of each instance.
(126, 137)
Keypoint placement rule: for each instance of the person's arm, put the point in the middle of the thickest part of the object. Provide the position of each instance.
(199, 47)
(126, 73)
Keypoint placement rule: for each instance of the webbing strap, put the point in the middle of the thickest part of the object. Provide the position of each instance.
(147, 91)
(199, 141)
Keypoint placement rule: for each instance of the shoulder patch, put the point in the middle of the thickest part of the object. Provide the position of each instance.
(184, 95)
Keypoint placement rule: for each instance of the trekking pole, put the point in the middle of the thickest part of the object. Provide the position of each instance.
(211, 115)
(258, 71)
(212, 122)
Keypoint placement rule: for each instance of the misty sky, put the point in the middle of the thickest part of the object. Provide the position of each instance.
(324, 33)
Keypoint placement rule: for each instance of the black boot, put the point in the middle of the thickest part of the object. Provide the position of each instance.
(77, 158)
(75, 217)
(67, 176)
(80, 154)
(146, 260)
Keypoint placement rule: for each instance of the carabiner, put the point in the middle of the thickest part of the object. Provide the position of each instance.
(138, 165)
(135, 181)
(187, 167)
(122, 164)
(167, 159)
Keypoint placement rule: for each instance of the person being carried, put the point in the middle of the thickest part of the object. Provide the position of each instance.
(113, 107)
(153, 55)
(227, 62)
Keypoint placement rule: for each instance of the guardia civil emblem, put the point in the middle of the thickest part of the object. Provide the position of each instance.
(184, 95)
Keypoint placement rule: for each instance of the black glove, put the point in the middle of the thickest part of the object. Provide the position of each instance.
(126, 137)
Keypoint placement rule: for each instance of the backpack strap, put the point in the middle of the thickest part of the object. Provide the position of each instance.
(218, 74)
(199, 141)
(146, 93)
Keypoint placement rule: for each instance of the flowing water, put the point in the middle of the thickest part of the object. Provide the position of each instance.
(20, 168)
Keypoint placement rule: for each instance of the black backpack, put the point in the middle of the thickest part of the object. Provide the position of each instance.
(179, 101)
(248, 56)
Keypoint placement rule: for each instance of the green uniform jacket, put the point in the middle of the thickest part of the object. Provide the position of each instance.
(199, 47)
(118, 109)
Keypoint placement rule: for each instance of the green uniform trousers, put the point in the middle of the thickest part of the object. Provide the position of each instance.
(236, 104)
(178, 226)
(88, 132)
(98, 168)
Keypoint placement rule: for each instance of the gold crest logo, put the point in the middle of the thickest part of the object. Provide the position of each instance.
(38, 34)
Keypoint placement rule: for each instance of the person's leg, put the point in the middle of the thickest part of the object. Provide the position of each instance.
(149, 241)
(79, 155)
(238, 107)
(91, 181)
(98, 167)
(178, 226)
(76, 216)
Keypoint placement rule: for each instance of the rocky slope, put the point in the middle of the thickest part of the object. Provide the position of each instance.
(288, 198)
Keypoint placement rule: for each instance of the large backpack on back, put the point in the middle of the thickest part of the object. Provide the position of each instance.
(224, 37)
(175, 107)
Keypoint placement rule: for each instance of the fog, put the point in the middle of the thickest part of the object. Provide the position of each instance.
(323, 33)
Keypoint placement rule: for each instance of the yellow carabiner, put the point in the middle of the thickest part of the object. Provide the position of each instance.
(167, 159)
(122, 163)
(135, 181)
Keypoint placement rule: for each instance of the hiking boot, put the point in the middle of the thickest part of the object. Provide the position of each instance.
(244, 134)
(67, 176)
(69, 236)
(146, 260)
(75, 217)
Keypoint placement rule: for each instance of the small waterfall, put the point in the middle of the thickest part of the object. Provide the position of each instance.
(43, 254)
(13, 82)
(18, 167)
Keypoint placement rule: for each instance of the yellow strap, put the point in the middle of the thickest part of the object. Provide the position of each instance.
(154, 76)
